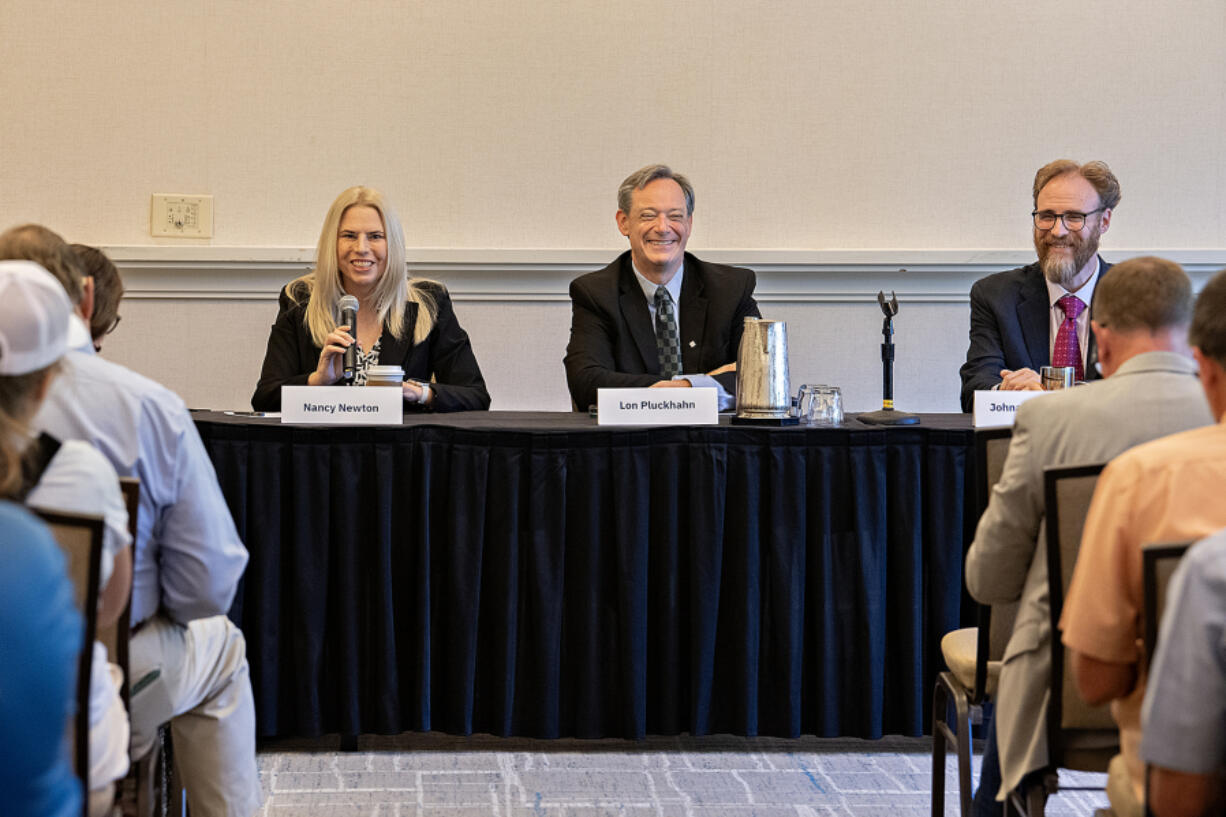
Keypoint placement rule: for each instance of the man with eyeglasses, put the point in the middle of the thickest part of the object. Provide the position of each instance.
(1039, 315)
(657, 316)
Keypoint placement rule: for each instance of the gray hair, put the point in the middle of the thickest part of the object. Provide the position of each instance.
(645, 176)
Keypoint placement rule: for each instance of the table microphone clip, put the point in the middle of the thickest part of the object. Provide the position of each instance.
(888, 416)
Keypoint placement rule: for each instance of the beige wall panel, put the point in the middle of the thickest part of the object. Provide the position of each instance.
(507, 125)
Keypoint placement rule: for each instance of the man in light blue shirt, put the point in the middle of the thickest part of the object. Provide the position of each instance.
(188, 662)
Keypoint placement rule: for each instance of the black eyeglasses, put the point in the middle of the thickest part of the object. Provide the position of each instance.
(115, 323)
(1046, 219)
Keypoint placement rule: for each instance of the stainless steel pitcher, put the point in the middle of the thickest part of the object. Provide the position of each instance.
(763, 390)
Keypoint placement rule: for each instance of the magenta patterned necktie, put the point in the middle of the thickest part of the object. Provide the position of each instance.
(1067, 351)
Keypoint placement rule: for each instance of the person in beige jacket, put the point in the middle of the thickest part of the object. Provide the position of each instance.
(1142, 311)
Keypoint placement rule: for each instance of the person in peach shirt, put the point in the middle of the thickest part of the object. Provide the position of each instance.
(1166, 490)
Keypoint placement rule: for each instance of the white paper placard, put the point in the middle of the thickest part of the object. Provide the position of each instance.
(342, 406)
(657, 407)
(994, 409)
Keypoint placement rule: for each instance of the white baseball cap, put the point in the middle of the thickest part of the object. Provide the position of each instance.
(37, 324)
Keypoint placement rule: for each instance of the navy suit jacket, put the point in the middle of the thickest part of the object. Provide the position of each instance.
(613, 343)
(1011, 328)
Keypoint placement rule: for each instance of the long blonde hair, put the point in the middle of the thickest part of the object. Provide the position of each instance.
(19, 399)
(323, 287)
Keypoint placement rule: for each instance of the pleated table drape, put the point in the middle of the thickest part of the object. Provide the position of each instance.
(535, 574)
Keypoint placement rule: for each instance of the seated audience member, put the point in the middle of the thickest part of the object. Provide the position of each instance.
(399, 322)
(1039, 315)
(188, 662)
(41, 636)
(1141, 318)
(1166, 490)
(104, 285)
(657, 316)
(36, 329)
(1184, 714)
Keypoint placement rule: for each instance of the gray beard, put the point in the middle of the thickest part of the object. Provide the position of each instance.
(1060, 270)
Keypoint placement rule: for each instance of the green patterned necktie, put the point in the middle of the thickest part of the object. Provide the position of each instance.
(668, 339)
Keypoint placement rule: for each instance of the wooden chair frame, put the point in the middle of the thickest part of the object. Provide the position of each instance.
(84, 554)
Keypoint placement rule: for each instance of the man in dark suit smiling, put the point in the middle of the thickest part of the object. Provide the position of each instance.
(657, 316)
(1039, 315)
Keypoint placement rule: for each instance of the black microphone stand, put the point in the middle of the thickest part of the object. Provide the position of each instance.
(888, 416)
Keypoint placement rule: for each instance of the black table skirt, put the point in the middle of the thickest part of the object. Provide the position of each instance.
(537, 575)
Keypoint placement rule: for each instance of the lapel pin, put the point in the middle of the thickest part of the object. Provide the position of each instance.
(692, 344)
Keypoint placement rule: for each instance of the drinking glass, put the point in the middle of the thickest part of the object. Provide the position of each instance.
(802, 405)
(1056, 377)
(827, 407)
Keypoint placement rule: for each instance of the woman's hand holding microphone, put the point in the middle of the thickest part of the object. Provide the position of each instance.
(332, 358)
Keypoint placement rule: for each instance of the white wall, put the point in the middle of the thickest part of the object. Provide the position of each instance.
(828, 141)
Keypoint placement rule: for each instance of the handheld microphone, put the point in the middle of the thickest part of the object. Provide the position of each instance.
(348, 307)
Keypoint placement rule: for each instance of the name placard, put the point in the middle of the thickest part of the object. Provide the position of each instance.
(994, 409)
(342, 406)
(657, 407)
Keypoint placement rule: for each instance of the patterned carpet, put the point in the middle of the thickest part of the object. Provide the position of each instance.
(724, 776)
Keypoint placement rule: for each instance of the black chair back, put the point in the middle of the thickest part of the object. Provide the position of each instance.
(1158, 563)
(1078, 736)
(991, 451)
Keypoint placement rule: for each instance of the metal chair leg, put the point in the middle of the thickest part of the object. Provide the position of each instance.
(940, 705)
(943, 733)
(964, 753)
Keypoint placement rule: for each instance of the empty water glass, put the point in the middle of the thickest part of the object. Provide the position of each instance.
(827, 407)
(802, 404)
